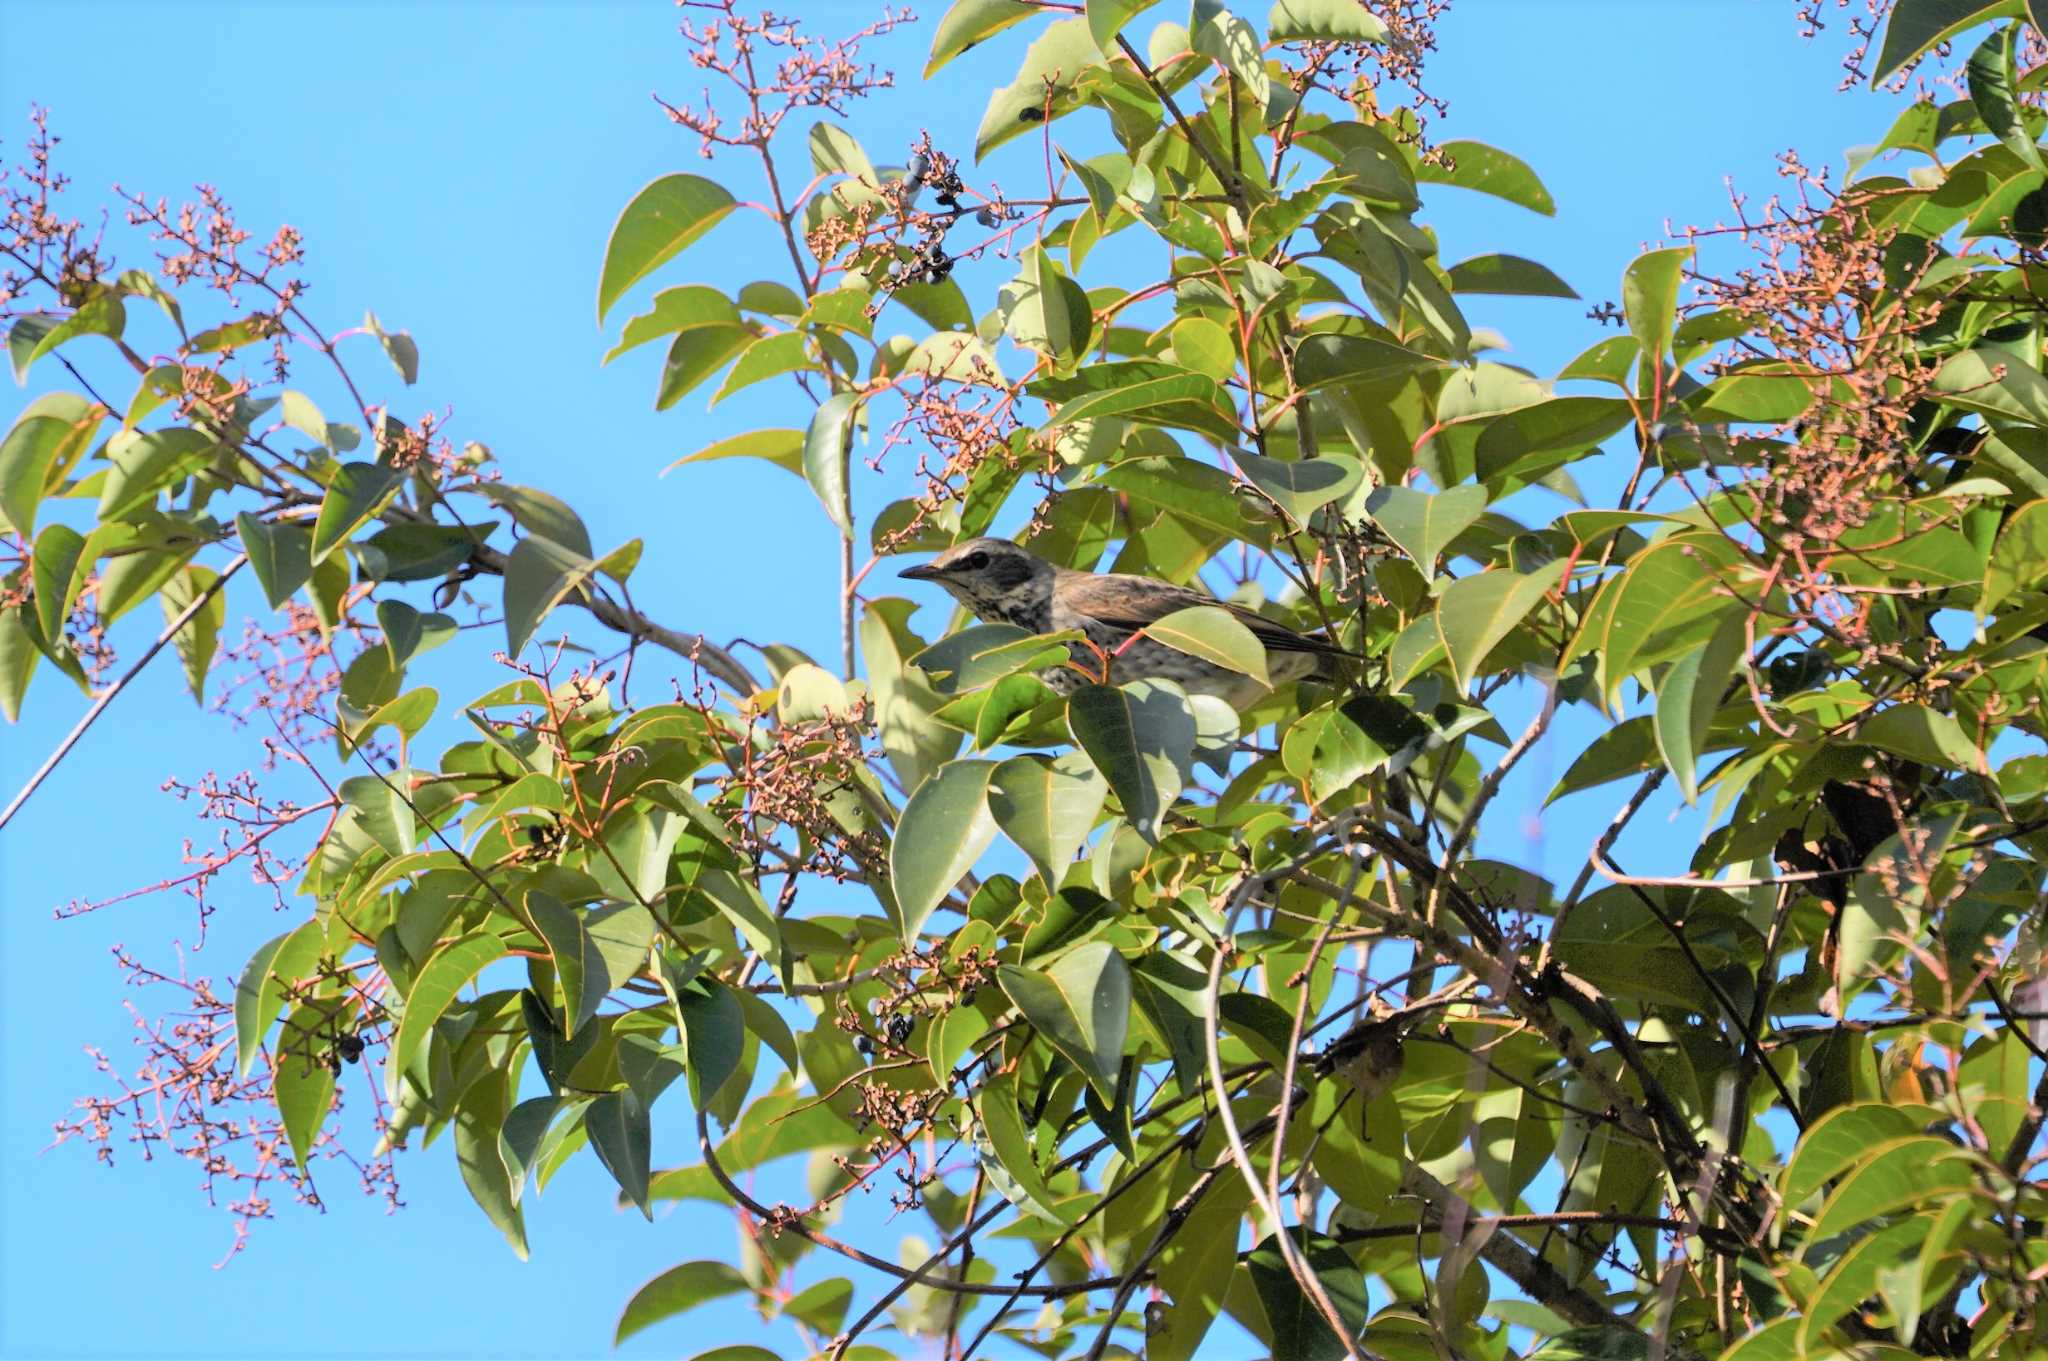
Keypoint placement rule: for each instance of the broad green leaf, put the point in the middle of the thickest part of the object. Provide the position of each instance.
(1475, 613)
(827, 446)
(479, 1121)
(1047, 805)
(622, 1136)
(2019, 559)
(1007, 1153)
(539, 574)
(1994, 382)
(1992, 81)
(1044, 310)
(1231, 42)
(1668, 601)
(1321, 360)
(101, 315)
(834, 151)
(1141, 736)
(946, 826)
(1052, 65)
(54, 566)
(1649, 297)
(301, 1082)
(280, 555)
(713, 1028)
(433, 992)
(144, 463)
(622, 932)
(762, 359)
(1213, 634)
(689, 307)
(399, 348)
(1302, 486)
(1923, 734)
(260, 989)
(18, 658)
(1300, 1332)
(660, 221)
(1081, 1003)
(693, 356)
(1107, 18)
(968, 22)
(1508, 276)
(1142, 395)
(1488, 170)
(356, 493)
(1422, 523)
(1689, 693)
(783, 448)
(579, 968)
(1917, 25)
(197, 639)
(676, 1290)
(1341, 21)
(523, 1135)
(45, 441)
(1891, 1177)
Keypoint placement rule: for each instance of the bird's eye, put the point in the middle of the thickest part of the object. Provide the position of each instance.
(976, 561)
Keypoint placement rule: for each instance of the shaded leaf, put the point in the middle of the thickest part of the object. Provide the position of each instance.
(1081, 1003)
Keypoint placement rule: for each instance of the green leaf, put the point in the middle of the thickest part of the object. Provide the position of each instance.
(1007, 1152)
(622, 1136)
(1476, 613)
(1141, 736)
(1082, 1005)
(18, 657)
(1508, 276)
(1044, 310)
(45, 441)
(676, 311)
(260, 990)
(660, 221)
(1140, 395)
(1923, 734)
(1321, 360)
(1231, 42)
(1422, 523)
(1488, 170)
(1992, 80)
(783, 448)
(1839, 1139)
(301, 1082)
(479, 1121)
(539, 573)
(55, 560)
(356, 493)
(1893, 1176)
(280, 555)
(1994, 382)
(827, 446)
(1668, 601)
(968, 22)
(2019, 559)
(579, 968)
(433, 992)
(144, 463)
(764, 358)
(1649, 297)
(1107, 18)
(713, 1027)
(1688, 695)
(1341, 21)
(1214, 635)
(1047, 805)
(101, 315)
(945, 828)
(197, 639)
(678, 1289)
(1302, 486)
(1052, 65)
(398, 348)
(1300, 1332)
(1917, 25)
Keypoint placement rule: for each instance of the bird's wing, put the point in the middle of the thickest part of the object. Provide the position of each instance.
(1131, 602)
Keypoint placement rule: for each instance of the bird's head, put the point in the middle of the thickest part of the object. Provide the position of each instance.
(994, 578)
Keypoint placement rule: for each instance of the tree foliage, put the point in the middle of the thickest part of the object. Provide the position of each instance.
(1153, 1010)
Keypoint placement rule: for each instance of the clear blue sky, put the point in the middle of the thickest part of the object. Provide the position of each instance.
(457, 166)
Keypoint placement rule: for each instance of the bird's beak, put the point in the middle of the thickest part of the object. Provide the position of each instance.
(924, 571)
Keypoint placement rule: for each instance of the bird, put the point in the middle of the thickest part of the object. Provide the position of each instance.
(1001, 582)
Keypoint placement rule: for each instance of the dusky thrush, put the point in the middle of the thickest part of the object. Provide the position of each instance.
(1002, 583)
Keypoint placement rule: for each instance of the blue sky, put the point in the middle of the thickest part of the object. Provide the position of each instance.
(457, 167)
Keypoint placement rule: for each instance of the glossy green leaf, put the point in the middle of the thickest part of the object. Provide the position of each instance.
(260, 990)
(1488, 170)
(658, 223)
(1141, 736)
(1476, 613)
(1340, 21)
(946, 826)
(51, 434)
(1321, 360)
(1423, 523)
(1047, 805)
(1916, 25)
(783, 448)
(622, 1136)
(433, 991)
(1649, 297)
(1052, 66)
(201, 634)
(55, 560)
(827, 446)
(281, 556)
(1300, 487)
(144, 463)
(1044, 310)
(1891, 1177)
(357, 491)
(479, 1121)
(1923, 734)
(1213, 634)
(1232, 43)
(1689, 693)
(1108, 18)
(967, 22)
(1508, 276)
(579, 968)
(713, 1027)
(1992, 82)
(675, 1291)
(1300, 1331)
(1081, 1003)
(539, 574)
